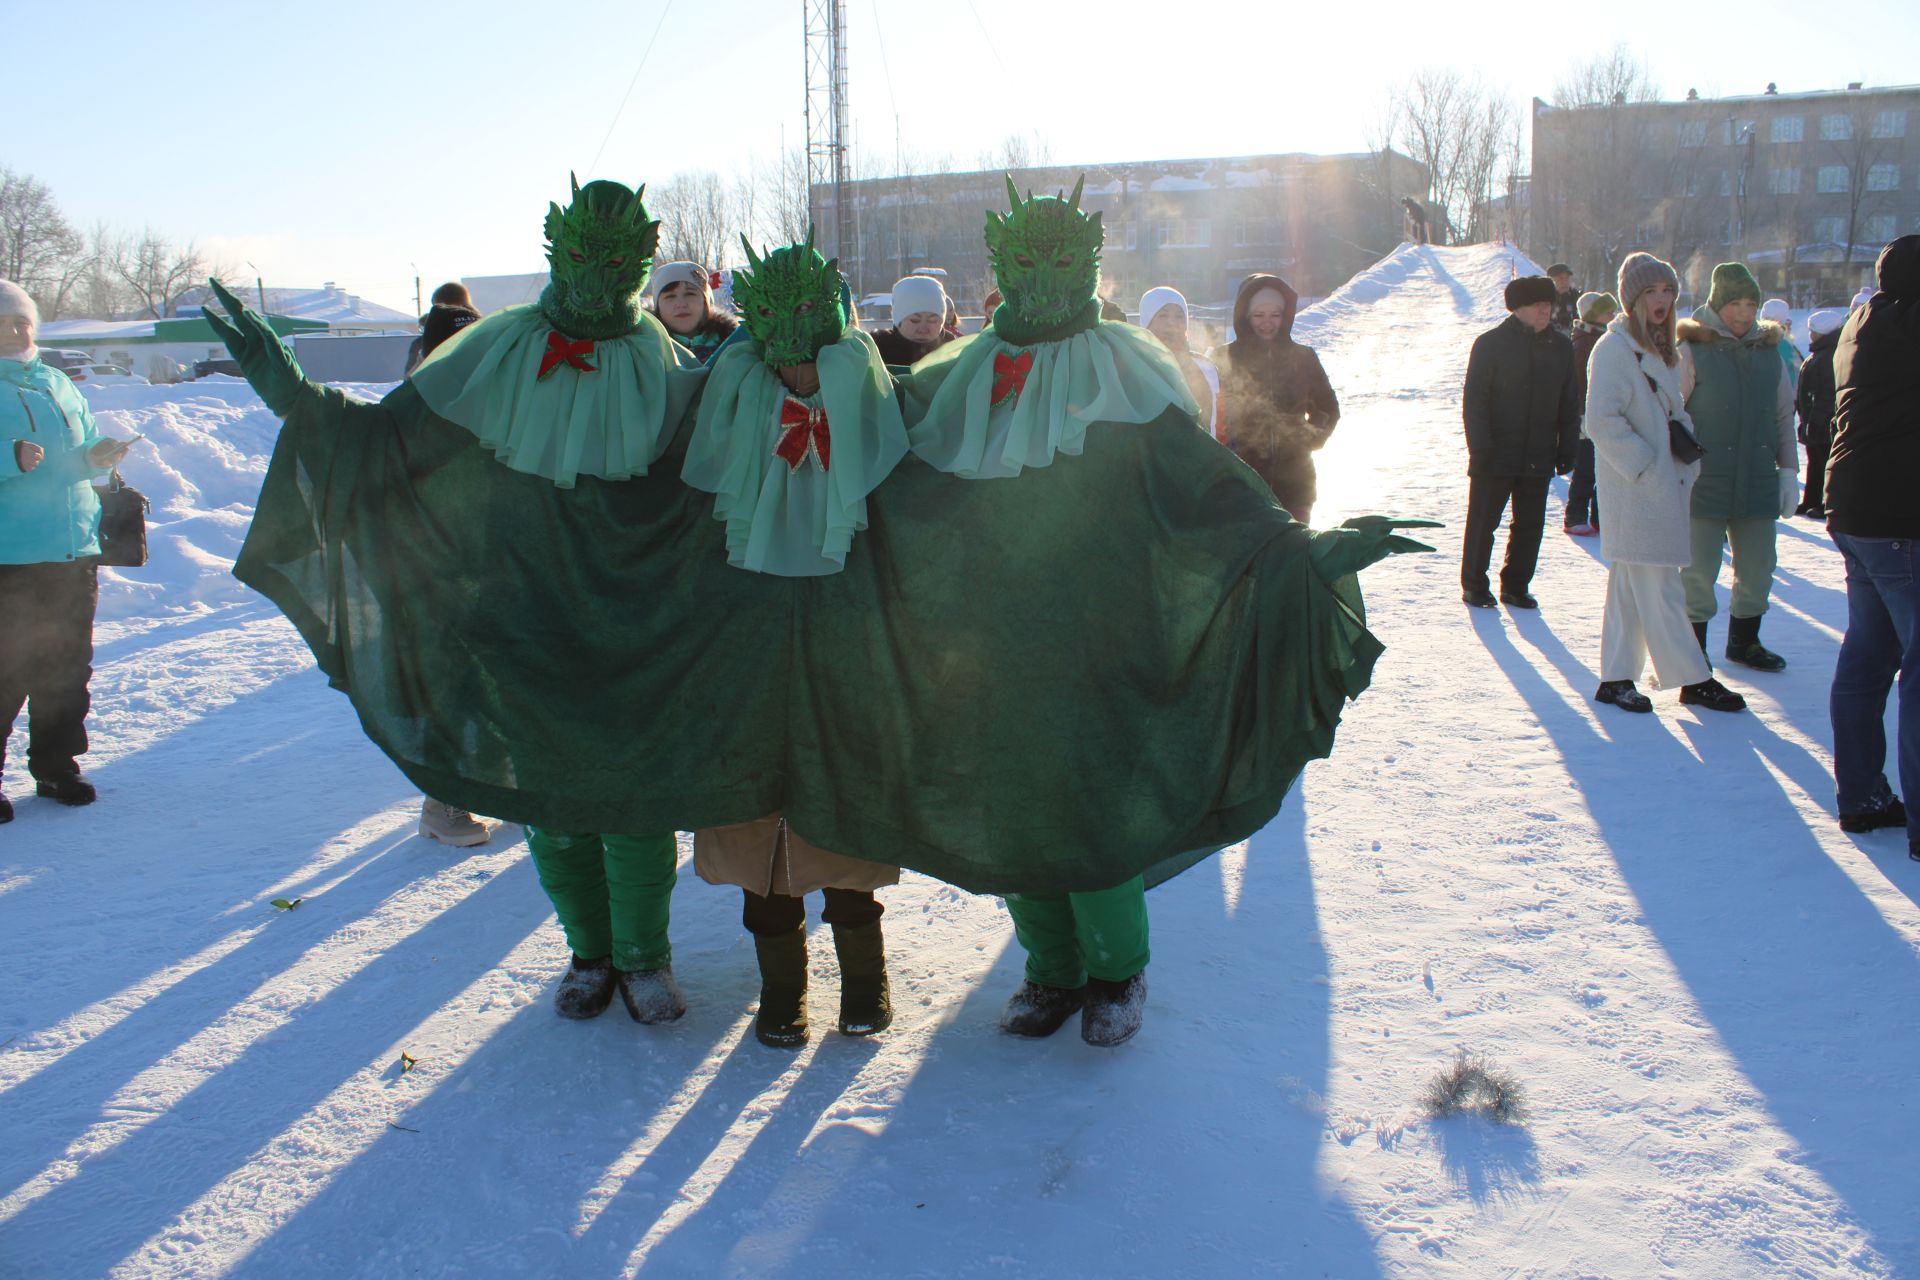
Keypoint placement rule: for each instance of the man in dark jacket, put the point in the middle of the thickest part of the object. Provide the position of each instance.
(1277, 406)
(1872, 476)
(1813, 403)
(1566, 298)
(1583, 498)
(1522, 414)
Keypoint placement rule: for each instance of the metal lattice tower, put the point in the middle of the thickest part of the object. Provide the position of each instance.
(827, 197)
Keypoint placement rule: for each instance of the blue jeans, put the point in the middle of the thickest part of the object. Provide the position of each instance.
(1882, 641)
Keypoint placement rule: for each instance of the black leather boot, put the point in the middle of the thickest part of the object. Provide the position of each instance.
(1744, 647)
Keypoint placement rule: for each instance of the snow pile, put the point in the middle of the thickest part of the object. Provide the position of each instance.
(1710, 997)
(206, 450)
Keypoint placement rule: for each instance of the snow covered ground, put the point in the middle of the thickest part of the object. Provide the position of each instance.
(1711, 995)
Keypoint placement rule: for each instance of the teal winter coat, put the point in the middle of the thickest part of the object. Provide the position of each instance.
(51, 513)
(1741, 404)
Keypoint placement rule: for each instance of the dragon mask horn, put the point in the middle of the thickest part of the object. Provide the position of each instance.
(575, 182)
(753, 260)
(1078, 187)
(1013, 192)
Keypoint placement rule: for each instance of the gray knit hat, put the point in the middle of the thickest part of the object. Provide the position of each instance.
(15, 301)
(1640, 272)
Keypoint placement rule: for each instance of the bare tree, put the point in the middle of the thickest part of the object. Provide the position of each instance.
(38, 247)
(698, 221)
(155, 271)
(1614, 78)
(1859, 152)
(1461, 131)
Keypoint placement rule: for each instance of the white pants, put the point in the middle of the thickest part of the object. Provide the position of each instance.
(1647, 615)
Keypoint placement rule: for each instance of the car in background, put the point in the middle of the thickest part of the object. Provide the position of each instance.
(112, 375)
(74, 364)
(220, 364)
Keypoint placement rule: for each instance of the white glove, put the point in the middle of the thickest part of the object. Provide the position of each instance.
(1789, 492)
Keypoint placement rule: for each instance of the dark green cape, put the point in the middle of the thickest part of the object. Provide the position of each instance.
(1110, 666)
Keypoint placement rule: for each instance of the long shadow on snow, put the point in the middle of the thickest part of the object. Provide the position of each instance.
(1055, 1158)
(179, 628)
(1465, 302)
(220, 849)
(503, 1175)
(1794, 968)
(1044, 1157)
(219, 1126)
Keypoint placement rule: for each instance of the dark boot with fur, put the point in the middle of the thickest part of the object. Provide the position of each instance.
(1744, 647)
(1037, 1010)
(781, 1022)
(586, 989)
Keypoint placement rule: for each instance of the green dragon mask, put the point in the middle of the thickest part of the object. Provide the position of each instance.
(599, 251)
(1046, 256)
(790, 301)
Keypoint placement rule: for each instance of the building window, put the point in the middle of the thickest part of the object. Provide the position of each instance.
(1784, 182)
(1737, 131)
(1785, 129)
(1833, 177)
(1879, 229)
(1184, 234)
(1726, 183)
(1836, 128)
(1124, 236)
(1889, 124)
(1829, 230)
(1883, 177)
(1693, 133)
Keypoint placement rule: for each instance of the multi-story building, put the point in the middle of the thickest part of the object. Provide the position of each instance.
(1199, 225)
(1804, 187)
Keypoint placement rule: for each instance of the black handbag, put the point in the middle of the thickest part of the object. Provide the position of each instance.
(123, 522)
(1680, 440)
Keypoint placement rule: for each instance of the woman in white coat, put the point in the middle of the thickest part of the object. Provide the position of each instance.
(1633, 390)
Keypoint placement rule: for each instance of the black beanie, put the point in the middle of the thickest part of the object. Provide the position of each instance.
(442, 323)
(1529, 289)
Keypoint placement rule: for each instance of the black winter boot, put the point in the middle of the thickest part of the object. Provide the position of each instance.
(866, 997)
(1712, 695)
(781, 1022)
(586, 989)
(1037, 1010)
(1700, 634)
(1888, 812)
(66, 789)
(1114, 1010)
(1623, 695)
(6, 809)
(1744, 647)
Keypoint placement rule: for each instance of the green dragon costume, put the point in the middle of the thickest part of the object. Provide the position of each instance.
(792, 472)
(1050, 684)
(1045, 369)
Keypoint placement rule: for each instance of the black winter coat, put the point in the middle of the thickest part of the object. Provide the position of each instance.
(1522, 404)
(1585, 339)
(898, 349)
(1277, 403)
(1875, 465)
(1814, 400)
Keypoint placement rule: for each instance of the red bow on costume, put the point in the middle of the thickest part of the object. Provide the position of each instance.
(560, 351)
(803, 432)
(1010, 375)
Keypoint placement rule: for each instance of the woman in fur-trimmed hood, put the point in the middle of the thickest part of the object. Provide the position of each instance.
(1741, 402)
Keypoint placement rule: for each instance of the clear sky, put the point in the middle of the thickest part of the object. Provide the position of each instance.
(346, 141)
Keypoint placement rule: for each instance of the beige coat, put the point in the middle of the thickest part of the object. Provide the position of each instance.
(765, 857)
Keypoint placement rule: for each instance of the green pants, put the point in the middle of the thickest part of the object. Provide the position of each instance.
(1753, 561)
(1071, 936)
(612, 893)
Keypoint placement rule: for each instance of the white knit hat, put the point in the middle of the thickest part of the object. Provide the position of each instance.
(670, 273)
(1861, 298)
(1825, 321)
(1776, 310)
(15, 301)
(1158, 299)
(917, 295)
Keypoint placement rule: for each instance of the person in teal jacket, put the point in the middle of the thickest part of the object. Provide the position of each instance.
(50, 451)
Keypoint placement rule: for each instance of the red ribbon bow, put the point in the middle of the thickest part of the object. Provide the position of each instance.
(803, 433)
(560, 351)
(1010, 375)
